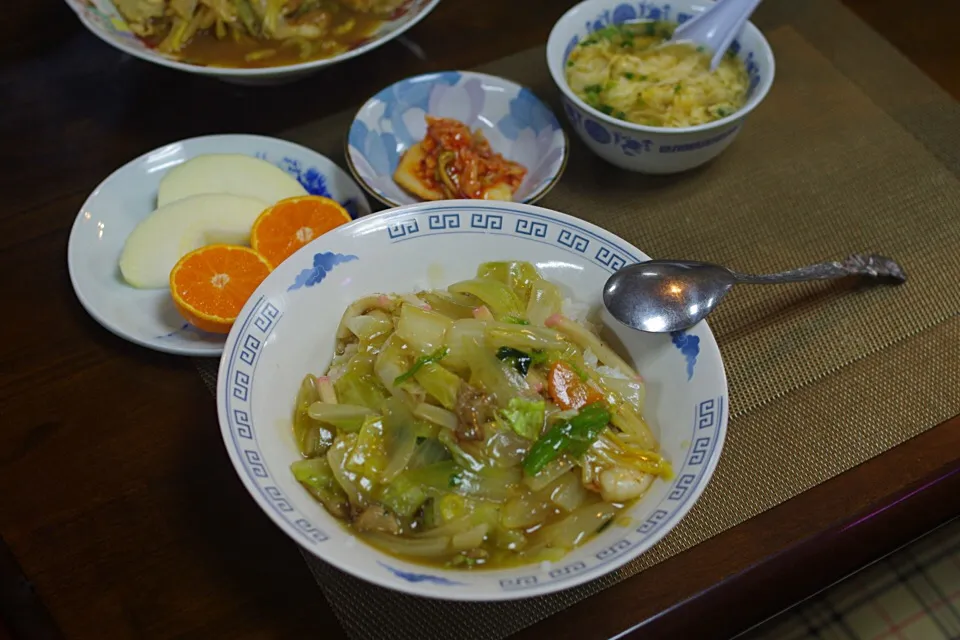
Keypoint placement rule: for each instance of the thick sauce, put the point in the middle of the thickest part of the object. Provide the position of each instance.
(347, 30)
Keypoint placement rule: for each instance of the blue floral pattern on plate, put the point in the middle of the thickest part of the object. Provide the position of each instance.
(689, 346)
(323, 263)
(516, 122)
(313, 180)
(420, 577)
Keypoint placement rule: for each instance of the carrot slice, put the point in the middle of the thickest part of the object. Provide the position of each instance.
(567, 389)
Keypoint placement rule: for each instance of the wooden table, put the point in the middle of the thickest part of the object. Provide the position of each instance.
(120, 514)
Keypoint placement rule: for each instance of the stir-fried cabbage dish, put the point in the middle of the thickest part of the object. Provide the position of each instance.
(254, 33)
(477, 426)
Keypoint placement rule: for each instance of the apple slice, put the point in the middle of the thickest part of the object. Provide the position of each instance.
(176, 229)
(232, 173)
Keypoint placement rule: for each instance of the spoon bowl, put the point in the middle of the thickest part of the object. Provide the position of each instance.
(662, 296)
(666, 295)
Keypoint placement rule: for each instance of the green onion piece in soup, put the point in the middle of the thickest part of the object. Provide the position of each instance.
(574, 436)
(436, 356)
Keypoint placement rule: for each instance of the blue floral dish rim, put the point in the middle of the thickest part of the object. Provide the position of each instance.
(384, 199)
(762, 88)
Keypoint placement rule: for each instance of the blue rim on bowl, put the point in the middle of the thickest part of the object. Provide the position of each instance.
(517, 123)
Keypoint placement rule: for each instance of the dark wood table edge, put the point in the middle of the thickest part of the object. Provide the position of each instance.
(827, 546)
(22, 612)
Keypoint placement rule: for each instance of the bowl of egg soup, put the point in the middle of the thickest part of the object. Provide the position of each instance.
(645, 105)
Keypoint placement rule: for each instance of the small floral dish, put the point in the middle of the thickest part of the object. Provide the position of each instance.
(288, 329)
(147, 316)
(647, 149)
(103, 19)
(515, 122)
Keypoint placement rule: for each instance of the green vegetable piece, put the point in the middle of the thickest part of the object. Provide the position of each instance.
(525, 417)
(607, 109)
(538, 357)
(439, 383)
(593, 88)
(650, 28)
(431, 358)
(515, 358)
(247, 17)
(409, 490)
(586, 427)
(455, 479)
(629, 75)
(317, 478)
(518, 276)
(577, 369)
(311, 436)
(677, 88)
(501, 300)
(429, 451)
(574, 436)
(368, 456)
(516, 320)
(403, 496)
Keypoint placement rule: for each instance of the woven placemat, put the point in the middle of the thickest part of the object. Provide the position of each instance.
(853, 150)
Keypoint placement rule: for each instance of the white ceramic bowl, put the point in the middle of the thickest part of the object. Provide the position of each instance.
(104, 21)
(286, 330)
(637, 147)
(147, 316)
(516, 123)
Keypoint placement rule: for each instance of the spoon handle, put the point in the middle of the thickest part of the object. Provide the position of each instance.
(856, 265)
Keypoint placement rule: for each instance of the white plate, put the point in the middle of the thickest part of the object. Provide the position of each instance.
(129, 194)
(286, 330)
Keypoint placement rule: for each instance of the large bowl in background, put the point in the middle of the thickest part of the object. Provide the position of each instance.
(636, 147)
(287, 328)
(517, 124)
(104, 21)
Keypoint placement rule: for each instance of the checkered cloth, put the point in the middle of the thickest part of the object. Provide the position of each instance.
(913, 594)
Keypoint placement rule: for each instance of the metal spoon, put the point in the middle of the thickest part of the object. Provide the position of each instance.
(660, 296)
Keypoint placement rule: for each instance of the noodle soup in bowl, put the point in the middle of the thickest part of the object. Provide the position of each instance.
(648, 144)
(290, 329)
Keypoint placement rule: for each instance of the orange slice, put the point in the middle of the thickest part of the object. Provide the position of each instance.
(210, 285)
(293, 222)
